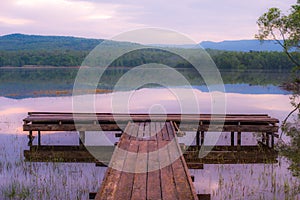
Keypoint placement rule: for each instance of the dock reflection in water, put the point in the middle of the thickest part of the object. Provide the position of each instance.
(61, 180)
(218, 156)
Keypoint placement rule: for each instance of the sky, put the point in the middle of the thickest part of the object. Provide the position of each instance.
(200, 20)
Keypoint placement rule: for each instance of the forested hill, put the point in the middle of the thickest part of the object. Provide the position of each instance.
(17, 42)
(19, 50)
(20, 42)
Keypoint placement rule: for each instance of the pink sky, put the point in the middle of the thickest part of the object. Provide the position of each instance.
(199, 19)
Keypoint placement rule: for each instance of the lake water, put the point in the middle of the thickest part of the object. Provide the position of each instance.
(21, 179)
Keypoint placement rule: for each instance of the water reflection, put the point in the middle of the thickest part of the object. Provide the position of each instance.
(58, 81)
(266, 177)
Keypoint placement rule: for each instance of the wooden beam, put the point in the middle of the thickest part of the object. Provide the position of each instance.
(109, 117)
(72, 127)
(229, 128)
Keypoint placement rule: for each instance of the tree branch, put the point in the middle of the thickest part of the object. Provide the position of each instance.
(284, 46)
(288, 116)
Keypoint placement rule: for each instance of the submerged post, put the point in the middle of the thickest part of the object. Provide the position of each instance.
(202, 137)
(30, 137)
(232, 138)
(198, 138)
(81, 138)
(39, 138)
(268, 140)
(239, 140)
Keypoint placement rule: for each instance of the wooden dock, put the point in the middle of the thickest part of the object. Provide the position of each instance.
(148, 164)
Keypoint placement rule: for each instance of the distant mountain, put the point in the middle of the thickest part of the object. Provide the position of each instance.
(16, 42)
(242, 45)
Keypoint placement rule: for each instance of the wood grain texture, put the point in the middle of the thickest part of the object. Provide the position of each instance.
(148, 170)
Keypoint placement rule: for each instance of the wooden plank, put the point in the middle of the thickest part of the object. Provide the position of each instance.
(230, 128)
(229, 148)
(71, 113)
(72, 127)
(48, 114)
(168, 186)
(153, 131)
(109, 188)
(133, 133)
(164, 132)
(125, 183)
(139, 190)
(140, 134)
(145, 117)
(153, 180)
(70, 119)
(184, 184)
(115, 127)
(171, 133)
(147, 131)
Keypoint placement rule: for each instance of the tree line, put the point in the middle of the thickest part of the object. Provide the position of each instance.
(228, 60)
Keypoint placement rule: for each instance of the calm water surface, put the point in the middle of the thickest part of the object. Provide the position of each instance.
(255, 93)
(57, 180)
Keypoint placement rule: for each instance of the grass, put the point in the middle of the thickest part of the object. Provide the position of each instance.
(16, 191)
(59, 180)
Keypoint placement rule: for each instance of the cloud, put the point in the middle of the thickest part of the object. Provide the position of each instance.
(14, 21)
(200, 19)
(62, 17)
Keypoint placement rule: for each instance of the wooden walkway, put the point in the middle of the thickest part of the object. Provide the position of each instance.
(199, 123)
(148, 164)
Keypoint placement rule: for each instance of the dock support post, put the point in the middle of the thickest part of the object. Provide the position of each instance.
(81, 138)
(239, 140)
(232, 138)
(272, 140)
(30, 137)
(263, 139)
(268, 139)
(202, 137)
(39, 138)
(198, 138)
